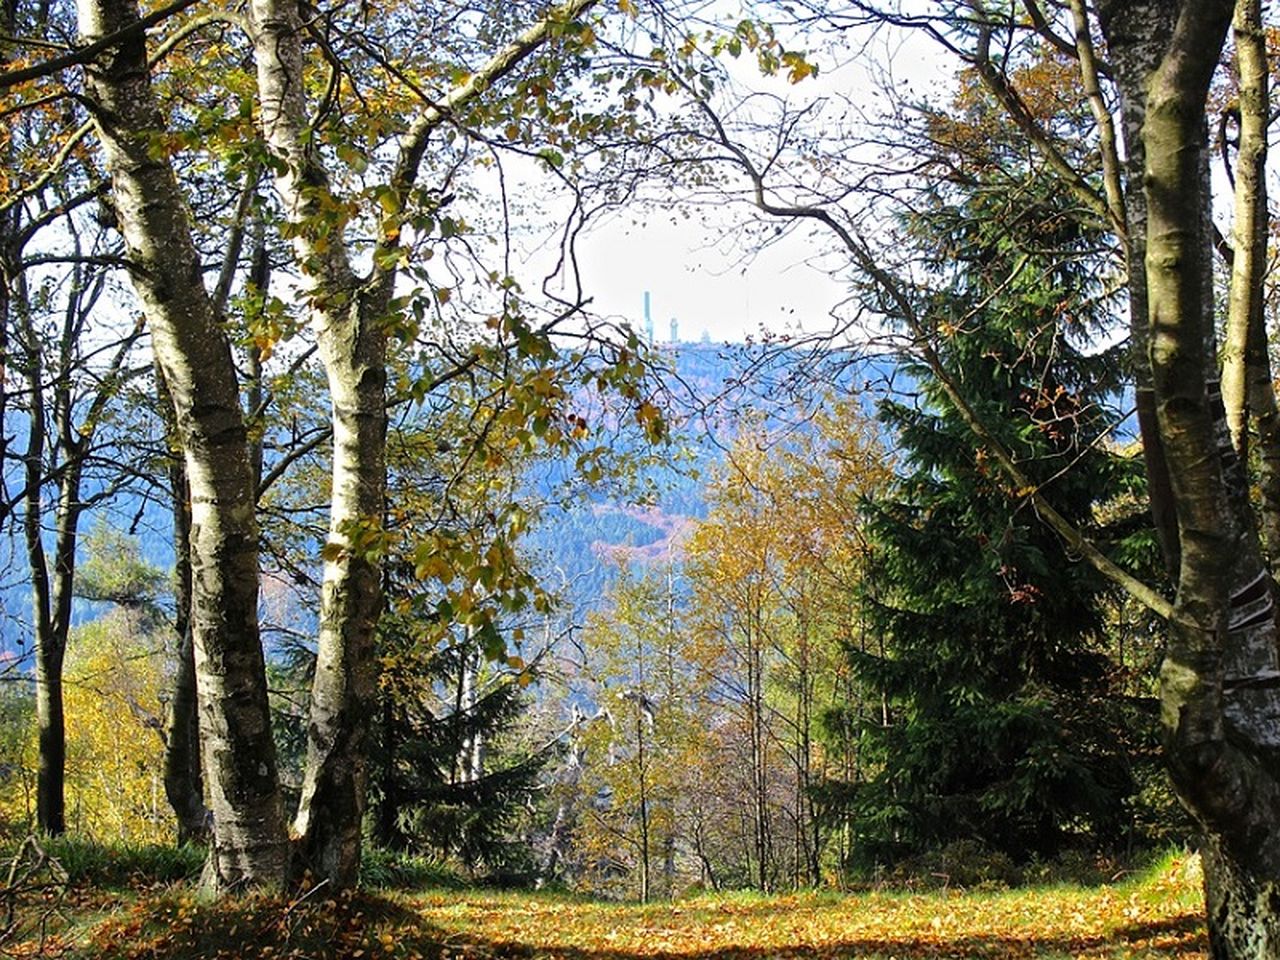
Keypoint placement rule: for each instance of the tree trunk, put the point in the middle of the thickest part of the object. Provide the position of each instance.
(183, 785)
(1248, 387)
(1243, 908)
(1218, 692)
(646, 845)
(1137, 33)
(350, 324)
(250, 846)
(52, 744)
(50, 646)
(471, 753)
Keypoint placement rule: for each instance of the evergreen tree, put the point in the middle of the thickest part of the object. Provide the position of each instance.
(1002, 725)
(446, 781)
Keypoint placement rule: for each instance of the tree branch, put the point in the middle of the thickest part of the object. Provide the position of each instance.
(868, 263)
(84, 54)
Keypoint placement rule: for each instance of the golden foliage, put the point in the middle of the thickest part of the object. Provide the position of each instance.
(114, 677)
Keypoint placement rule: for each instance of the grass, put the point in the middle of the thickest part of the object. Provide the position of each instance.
(122, 866)
(1154, 915)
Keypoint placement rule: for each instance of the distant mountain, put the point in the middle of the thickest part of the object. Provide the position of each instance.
(713, 391)
(710, 390)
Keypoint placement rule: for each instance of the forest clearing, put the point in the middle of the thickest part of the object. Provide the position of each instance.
(1152, 914)
(361, 536)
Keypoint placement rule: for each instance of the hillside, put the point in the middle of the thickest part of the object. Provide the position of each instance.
(708, 390)
(712, 391)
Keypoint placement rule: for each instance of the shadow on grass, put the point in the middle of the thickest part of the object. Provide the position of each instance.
(365, 927)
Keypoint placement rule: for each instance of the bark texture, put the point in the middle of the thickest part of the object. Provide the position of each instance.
(1241, 905)
(1219, 694)
(1248, 388)
(1138, 32)
(249, 846)
(349, 322)
(183, 783)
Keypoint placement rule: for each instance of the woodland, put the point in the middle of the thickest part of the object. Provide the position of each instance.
(367, 591)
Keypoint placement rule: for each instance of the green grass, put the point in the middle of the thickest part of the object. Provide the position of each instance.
(1155, 915)
(385, 870)
(117, 866)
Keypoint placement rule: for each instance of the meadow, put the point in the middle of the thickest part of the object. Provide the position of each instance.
(139, 913)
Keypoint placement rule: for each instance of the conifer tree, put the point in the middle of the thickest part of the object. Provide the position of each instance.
(1001, 727)
(446, 779)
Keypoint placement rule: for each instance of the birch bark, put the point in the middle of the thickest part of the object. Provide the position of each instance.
(1137, 34)
(183, 783)
(249, 844)
(349, 315)
(1248, 390)
(1219, 693)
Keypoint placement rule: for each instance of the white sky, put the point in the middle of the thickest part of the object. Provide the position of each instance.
(694, 275)
(691, 266)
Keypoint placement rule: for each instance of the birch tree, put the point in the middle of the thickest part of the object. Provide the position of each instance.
(192, 350)
(330, 186)
(350, 317)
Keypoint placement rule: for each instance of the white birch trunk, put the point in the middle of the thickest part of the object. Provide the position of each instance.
(349, 323)
(250, 846)
(349, 318)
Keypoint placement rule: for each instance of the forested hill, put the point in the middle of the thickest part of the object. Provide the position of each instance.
(710, 391)
(713, 392)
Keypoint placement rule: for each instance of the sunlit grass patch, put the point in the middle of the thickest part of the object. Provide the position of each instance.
(1152, 915)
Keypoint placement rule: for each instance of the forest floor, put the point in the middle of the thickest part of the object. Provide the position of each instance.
(1155, 915)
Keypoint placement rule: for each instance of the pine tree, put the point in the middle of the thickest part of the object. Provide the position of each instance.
(1001, 724)
(445, 781)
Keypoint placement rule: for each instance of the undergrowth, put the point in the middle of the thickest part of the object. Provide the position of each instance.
(1155, 915)
(121, 865)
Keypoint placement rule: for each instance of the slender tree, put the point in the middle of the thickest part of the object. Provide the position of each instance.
(194, 355)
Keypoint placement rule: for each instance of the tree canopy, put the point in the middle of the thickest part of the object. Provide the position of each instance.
(297, 295)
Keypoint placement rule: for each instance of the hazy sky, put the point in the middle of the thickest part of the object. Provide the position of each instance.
(692, 267)
(695, 276)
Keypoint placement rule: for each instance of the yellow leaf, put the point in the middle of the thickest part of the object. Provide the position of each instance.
(389, 202)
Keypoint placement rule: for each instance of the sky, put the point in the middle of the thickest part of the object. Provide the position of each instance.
(696, 277)
(689, 261)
